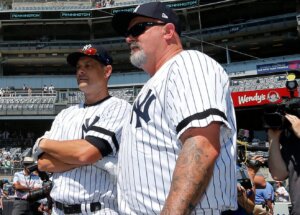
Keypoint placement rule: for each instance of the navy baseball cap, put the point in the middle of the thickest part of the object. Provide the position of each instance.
(96, 52)
(156, 10)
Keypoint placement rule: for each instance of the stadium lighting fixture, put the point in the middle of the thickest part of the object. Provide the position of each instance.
(291, 83)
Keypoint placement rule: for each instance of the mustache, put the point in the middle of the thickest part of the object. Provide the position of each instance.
(134, 45)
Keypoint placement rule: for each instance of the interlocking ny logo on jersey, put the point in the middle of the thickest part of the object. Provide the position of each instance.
(142, 114)
(86, 126)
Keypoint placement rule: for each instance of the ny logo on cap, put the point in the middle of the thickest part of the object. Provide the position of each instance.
(135, 10)
(86, 47)
(163, 15)
(89, 50)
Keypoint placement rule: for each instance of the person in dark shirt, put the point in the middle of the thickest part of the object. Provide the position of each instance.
(284, 158)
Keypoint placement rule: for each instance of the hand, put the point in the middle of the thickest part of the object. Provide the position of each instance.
(241, 191)
(258, 158)
(36, 150)
(254, 168)
(295, 121)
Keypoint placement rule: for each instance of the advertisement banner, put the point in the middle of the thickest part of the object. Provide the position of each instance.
(278, 67)
(260, 97)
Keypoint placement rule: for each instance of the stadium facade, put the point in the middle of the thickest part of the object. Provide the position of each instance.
(257, 41)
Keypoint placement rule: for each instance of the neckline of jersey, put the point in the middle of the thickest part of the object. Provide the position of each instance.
(96, 103)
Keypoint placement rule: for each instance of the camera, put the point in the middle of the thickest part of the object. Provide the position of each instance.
(246, 149)
(43, 192)
(246, 153)
(274, 115)
(243, 177)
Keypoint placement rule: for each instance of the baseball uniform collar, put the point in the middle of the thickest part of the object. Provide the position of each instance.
(96, 103)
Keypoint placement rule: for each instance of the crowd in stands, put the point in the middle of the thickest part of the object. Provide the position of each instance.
(11, 158)
(48, 89)
(16, 139)
(58, 5)
(7, 92)
(26, 91)
(47, 95)
(258, 83)
(104, 3)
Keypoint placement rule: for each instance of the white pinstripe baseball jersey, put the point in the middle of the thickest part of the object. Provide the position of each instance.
(31, 181)
(101, 125)
(190, 90)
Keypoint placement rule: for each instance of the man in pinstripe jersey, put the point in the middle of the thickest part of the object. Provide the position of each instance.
(178, 151)
(81, 146)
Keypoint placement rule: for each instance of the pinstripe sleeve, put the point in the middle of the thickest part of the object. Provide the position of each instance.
(197, 93)
(106, 132)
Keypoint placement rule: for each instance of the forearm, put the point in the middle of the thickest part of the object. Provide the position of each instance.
(71, 151)
(276, 163)
(21, 187)
(193, 171)
(270, 205)
(48, 163)
(246, 203)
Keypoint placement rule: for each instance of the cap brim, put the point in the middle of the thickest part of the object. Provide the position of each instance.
(73, 58)
(121, 20)
(28, 162)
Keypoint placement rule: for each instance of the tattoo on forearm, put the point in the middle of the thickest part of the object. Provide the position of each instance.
(191, 172)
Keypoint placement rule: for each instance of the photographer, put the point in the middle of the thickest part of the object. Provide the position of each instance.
(246, 188)
(24, 182)
(284, 158)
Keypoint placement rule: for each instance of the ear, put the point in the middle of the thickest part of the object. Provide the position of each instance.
(169, 30)
(107, 71)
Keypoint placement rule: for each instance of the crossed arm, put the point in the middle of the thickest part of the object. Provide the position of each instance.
(194, 169)
(61, 157)
(18, 186)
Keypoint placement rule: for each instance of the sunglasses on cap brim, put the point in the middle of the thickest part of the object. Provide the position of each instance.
(140, 28)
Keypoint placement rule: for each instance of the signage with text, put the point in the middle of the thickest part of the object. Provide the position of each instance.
(259, 97)
(26, 15)
(278, 67)
(75, 14)
(91, 13)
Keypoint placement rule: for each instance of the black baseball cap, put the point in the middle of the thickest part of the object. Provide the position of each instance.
(96, 52)
(156, 10)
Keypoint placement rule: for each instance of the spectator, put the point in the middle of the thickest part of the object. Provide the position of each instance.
(29, 91)
(1, 196)
(246, 191)
(5, 135)
(281, 193)
(51, 89)
(24, 182)
(45, 89)
(8, 163)
(264, 199)
(24, 88)
(284, 158)
(98, 4)
(8, 190)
